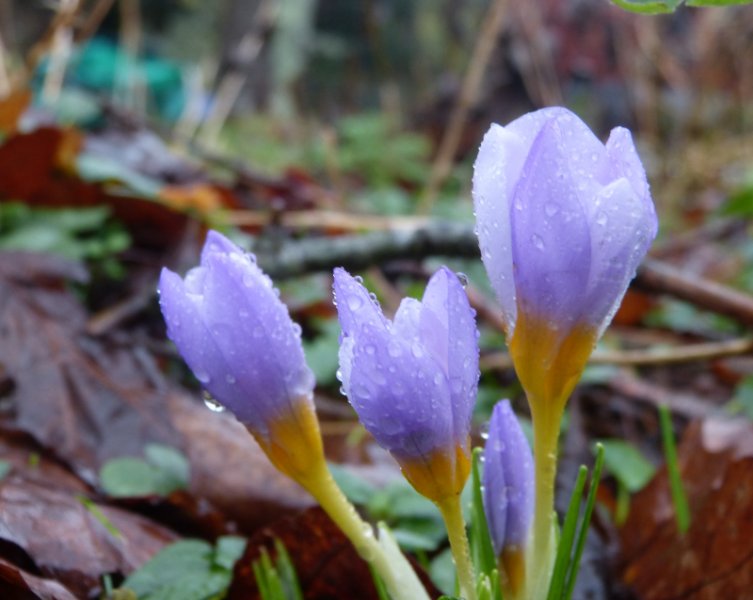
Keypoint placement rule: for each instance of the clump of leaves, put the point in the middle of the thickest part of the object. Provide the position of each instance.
(86, 234)
(277, 579)
(188, 569)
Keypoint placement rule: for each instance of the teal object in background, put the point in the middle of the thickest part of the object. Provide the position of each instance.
(101, 67)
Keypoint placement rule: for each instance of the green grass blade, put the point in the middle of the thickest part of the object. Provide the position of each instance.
(482, 551)
(565, 545)
(580, 543)
(679, 499)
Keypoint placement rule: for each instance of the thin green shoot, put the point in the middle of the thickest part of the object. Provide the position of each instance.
(580, 543)
(482, 551)
(564, 547)
(679, 498)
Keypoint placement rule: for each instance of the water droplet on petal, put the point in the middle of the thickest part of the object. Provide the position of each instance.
(230, 378)
(463, 278)
(202, 376)
(354, 302)
(537, 241)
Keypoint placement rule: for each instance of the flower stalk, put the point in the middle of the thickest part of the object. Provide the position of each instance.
(452, 514)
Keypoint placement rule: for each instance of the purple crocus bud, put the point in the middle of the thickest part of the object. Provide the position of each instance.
(508, 490)
(563, 222)
(413, 381)
(237, 337)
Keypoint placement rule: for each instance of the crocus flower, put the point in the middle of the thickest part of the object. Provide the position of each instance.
(563, 222)
(237, 337)
(508, 491)
(413, 381)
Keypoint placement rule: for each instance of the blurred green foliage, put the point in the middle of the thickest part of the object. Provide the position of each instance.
(188, 569)
(163, 471)
(87, 234)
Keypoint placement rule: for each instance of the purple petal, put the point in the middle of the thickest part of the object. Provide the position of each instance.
(354, 305)
(236, 335)
(621, 231)
(448, 329)
(508, 480)
(400, 394)
(550, 232)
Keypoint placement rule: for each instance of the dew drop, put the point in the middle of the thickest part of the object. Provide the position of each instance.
(537, 241)
(202, 376)
(230, 378)
(212, 404)
(463, 278)
(358, 278)
(248, 280)
(551, 209)
(354, 302)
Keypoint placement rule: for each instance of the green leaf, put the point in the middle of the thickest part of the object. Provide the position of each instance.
(188, 570)
(679, 498)
(648, 6)
(482, 550)
(128, 477)
(742, 400)
(414, 535)
(667, 6)
(567, 537)
(625, 462)
(442, 571)
(167, 470)
(185, 570)
(229, 550)
(173, 469)
(321, 352)
(580, 542)
(355, 488)
(400, 501)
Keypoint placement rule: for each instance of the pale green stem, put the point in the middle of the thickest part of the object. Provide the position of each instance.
(452, 514)
(546, 427)
(397, 574)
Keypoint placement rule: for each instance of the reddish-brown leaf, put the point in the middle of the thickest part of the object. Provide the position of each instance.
(18, 584)
(714, 559)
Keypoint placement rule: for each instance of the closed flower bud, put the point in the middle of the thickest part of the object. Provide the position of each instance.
(508, 485)
(413, 381)
(563, 222)
(237, 337)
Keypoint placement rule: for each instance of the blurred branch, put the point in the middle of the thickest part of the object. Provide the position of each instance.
(458, 240)
(656, 276)
(94, 20)
(60, 48)
(651, 356)
(62, 22)
(362, 251)
(482, 52)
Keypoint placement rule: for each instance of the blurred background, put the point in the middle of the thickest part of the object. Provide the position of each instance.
(325, 132)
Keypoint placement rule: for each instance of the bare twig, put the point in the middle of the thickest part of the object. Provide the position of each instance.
(482, 52)
(61, 46)
(418, 240)
(231, 85)
(652, 356)
(637, 388)
(655, 276)
(94, 20)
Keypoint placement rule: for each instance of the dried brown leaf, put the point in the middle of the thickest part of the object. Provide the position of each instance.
(714, 559)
